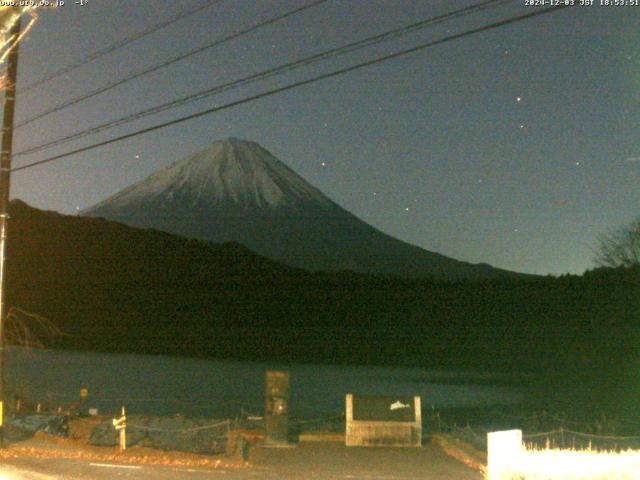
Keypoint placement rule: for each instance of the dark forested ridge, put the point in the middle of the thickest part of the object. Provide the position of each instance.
(110, 287)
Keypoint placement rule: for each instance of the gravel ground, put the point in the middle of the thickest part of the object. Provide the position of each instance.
(333, 461)
(40, 459)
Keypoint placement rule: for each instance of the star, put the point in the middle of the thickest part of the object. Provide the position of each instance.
(323, 164)
(577, 164)
(375, 194)
(518, 99)
(406, 209)
(521, 126)
(137, 157)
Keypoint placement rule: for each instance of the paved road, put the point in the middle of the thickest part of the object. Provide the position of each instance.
(315, 461)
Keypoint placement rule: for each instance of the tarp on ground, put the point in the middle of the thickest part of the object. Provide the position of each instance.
(195, 435)
(57, 425)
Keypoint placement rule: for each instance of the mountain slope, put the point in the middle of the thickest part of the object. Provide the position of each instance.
(237, 191)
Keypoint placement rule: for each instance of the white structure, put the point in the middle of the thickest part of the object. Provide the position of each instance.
(504, 449)
(383, 421)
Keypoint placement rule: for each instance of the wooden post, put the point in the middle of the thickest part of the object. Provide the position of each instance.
(123, 434)
(5, 176)
(120, 424)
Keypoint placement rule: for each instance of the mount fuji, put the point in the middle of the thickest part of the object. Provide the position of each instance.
(237, 191)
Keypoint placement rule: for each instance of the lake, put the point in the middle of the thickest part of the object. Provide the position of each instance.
(163, 385)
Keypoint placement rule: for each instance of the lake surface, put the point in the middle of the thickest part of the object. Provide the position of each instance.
(163, 385)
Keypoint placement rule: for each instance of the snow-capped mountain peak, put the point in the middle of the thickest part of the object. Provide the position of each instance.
(237, 191)
(229, 171)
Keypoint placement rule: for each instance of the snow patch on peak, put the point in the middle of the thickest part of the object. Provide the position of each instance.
(228, 171)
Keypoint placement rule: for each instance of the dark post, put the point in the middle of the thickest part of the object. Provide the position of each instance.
(5, 177)
(276, 409)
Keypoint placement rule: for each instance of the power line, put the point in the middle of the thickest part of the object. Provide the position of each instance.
(266, 74)
(118, 45)
(318, 78)
(348, 48)
(166, 63)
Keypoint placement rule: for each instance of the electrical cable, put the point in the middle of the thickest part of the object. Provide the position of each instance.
(118, 45)
(348, 48)
(171, 61)
(292, 86)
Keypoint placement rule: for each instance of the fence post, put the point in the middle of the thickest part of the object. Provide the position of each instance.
(503, 451)
(121, 425)
(123, 434)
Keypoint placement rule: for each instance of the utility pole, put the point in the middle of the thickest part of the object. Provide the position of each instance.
(5, 177)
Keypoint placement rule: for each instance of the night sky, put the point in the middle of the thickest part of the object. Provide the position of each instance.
(516, 147)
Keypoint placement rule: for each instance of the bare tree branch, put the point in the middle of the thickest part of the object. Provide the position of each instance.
(620, 248)
(28, 329)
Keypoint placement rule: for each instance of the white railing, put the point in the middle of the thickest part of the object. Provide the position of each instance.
(509, 459)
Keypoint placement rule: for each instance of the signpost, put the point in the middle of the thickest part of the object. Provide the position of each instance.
(276, 409)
